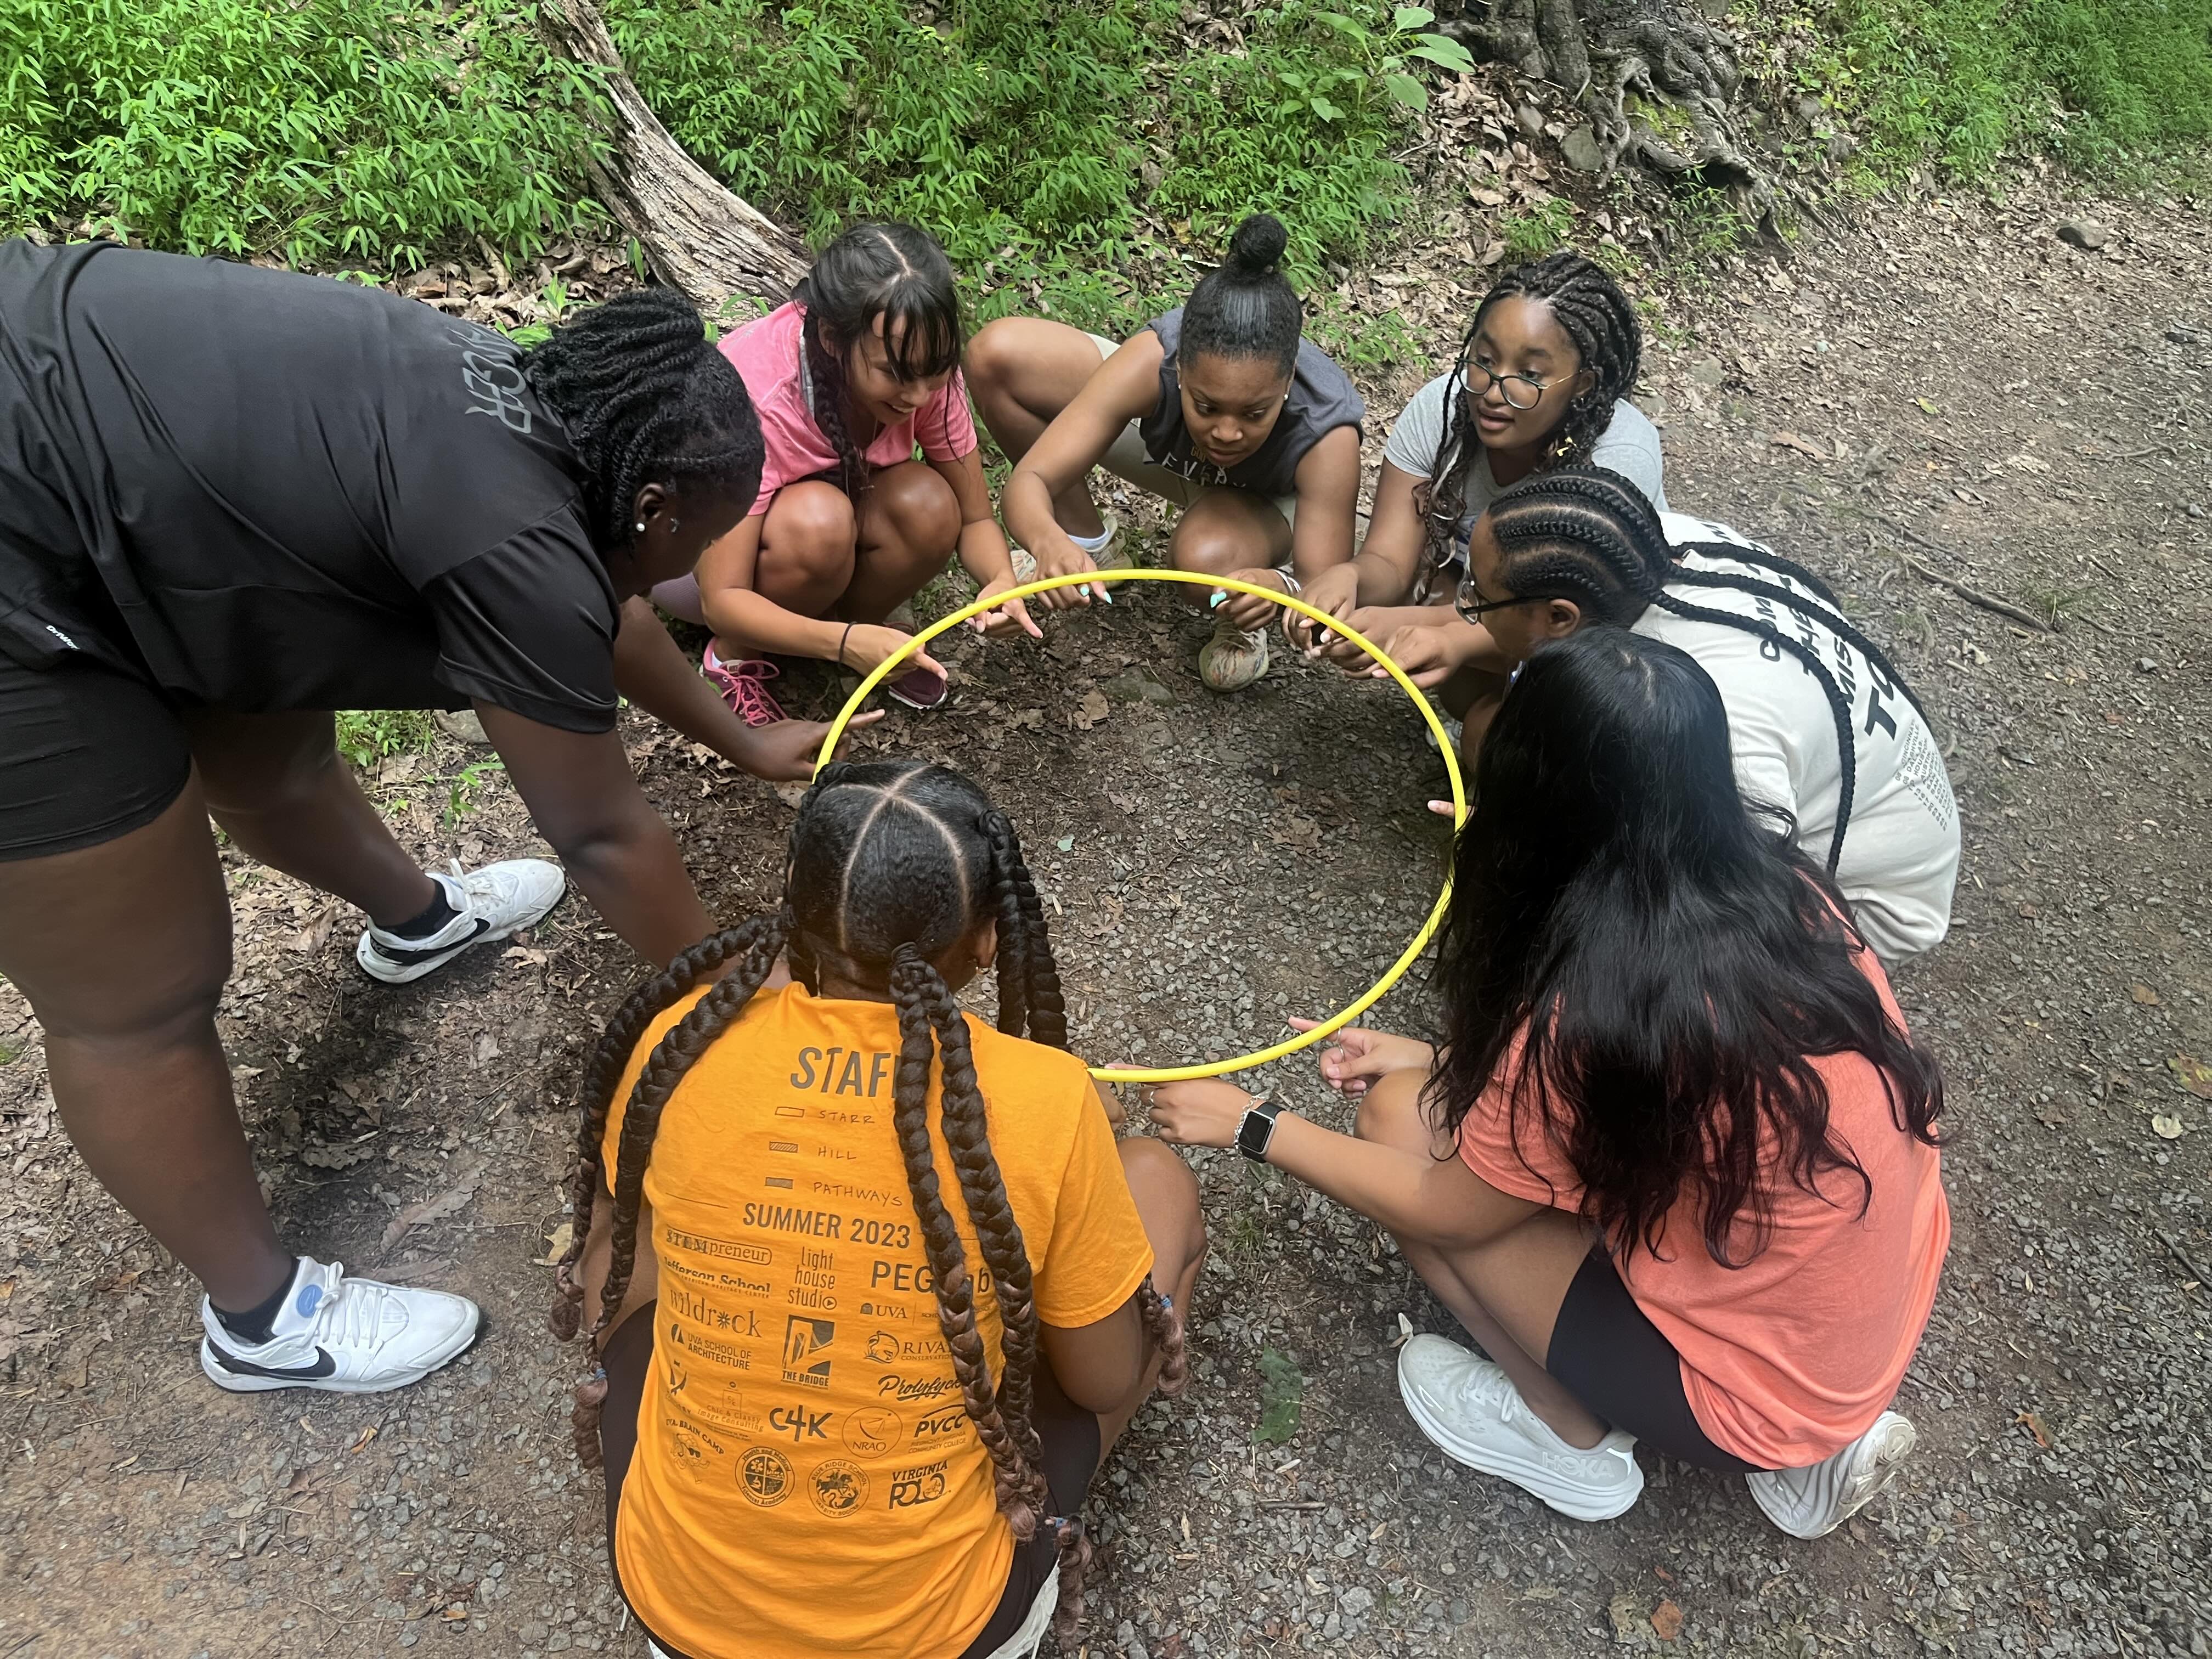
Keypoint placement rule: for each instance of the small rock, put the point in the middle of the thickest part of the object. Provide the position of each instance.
(1841, 147)
(1580, 150)
(2079, 233)
(1136, 685)
(1530, 121)
(2146, 664)
(462, 723)
(1708, 371)
(2195, 509)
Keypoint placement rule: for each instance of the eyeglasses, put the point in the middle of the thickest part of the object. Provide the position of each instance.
(1469, 605)
(1511, 387)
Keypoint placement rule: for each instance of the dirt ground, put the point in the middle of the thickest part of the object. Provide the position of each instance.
(1948, 385)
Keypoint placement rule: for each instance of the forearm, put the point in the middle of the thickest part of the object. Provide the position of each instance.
(983, 552)
(754, 622)
(1027, 504)
(1311, 554)
(1381, 620)
(1381, 582)
(1400, 1191)
(655, 675)
(633, 874)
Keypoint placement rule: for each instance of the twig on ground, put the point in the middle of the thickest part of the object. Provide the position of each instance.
(2196, 1269)
(1971, 594)
(2137, 454)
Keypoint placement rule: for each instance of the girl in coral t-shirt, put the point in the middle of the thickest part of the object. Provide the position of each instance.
(1675, 1165)
(873, 480)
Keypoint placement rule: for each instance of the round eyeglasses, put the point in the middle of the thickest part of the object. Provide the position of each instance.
(1514, 388)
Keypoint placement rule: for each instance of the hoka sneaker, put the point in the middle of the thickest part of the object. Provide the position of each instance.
(744, 686)
(490, 903)
(341, 1335)
(1234, 657)
(1470, 1408)
(1812, 1503)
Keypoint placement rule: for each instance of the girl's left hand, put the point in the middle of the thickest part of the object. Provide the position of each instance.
(1009, 618)
(1199, 1112)
(1248, 611)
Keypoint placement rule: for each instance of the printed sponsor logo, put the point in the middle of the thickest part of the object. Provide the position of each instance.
(803, 1340)
(719, 1353)
(782, 1183)
(783, 1146)
(787, 1218)
(915, 1276)
(873, 1430)
(727, 1281)
(885, 1349)
(839, 1488)
(690, 1445)
(922, 1483)
(801, 1423)
(495, 381)
(908, 1389)
(887, 1311)
(759, 1255)
(946, 1423)
(764, 1476)
(726, 1408)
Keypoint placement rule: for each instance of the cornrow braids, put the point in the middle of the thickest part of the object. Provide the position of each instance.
(1600, 320)
(645, 397)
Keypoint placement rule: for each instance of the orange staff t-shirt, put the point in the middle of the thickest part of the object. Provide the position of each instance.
(1789, 1358)
(807, 1480)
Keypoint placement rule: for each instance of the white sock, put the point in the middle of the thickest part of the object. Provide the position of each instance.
(1091, 544)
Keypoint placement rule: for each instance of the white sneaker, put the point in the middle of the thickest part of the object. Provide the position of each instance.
(342, 1335)
(1108, 556)
(1234, 657)
(1812, 1503)
(493, 902)
(1470, 1408)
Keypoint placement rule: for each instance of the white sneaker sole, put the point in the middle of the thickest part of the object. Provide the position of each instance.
(236, 1383)
(378, 966)
(1881, 1457)
(1526, 1472)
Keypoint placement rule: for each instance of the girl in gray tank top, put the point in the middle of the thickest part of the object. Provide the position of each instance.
(1220, 407)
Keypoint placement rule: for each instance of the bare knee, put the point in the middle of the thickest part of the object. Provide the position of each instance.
(808, 543)
(167, 1000)
(994, 357)
(1391, 1113)
(1166, 1192)
(920, 508)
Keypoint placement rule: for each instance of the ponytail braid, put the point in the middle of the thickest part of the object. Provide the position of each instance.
(825, 371)
(1025, 958)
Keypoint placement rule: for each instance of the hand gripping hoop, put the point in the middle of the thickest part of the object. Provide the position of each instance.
(1367, 999)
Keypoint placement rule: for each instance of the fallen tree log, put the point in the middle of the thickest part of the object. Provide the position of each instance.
(699, 237)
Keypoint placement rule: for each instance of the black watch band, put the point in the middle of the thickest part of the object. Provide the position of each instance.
(1257, 1129)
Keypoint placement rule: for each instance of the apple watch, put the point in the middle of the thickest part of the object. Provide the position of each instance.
(1258, 1128)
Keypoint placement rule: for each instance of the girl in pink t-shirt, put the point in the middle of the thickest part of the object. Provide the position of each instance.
(871, 481)
(1675, 1165)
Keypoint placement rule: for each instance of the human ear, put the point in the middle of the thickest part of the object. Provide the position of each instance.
(646, 505)
(1561, 618)
(983, 943)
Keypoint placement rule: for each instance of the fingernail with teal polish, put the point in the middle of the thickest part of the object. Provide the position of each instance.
(1219, 596)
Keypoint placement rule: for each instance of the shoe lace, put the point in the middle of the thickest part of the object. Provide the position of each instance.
(743, 690)
(352, 1313)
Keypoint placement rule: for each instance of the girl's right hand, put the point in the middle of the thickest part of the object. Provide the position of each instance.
(1429, 656)
(1062, 557)
(1336, 591)
(1357, 1056)
(866, 644)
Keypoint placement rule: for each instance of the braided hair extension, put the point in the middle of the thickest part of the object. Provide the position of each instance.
(1029, 1000)
(1589, 534)
(894, 271)
(1600, 321)
(645, 398)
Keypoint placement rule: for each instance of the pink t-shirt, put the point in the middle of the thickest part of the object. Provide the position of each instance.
(1791, 1357)
(771, 357)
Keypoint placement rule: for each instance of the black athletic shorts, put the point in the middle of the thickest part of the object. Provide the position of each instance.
(87, 754)
(1614, 1360)
(1070, 1440)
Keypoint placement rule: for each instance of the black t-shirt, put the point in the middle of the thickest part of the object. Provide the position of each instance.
(264, 491)
(1321, 400)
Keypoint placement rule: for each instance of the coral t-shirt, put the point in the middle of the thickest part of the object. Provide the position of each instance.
(771, 357)
(807, 1480)
(1791, 1357)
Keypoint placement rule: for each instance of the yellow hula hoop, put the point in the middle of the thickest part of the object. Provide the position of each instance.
(1045, 585)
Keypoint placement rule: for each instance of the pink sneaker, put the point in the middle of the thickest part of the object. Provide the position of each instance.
(743, 685)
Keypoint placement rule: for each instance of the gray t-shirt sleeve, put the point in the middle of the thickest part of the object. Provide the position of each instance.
(1630, 446)
(1420, 431)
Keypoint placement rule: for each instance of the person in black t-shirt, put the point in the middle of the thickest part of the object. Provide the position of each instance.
(1219, 406)
(232, 500)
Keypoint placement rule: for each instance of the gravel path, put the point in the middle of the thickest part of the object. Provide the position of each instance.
(1949, 383)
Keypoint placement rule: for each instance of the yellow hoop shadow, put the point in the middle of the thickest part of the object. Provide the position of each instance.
(1444, 746)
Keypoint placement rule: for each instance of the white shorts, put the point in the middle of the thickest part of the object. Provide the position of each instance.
(1127, 459)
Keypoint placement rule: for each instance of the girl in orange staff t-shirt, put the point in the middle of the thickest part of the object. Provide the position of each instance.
(874, 1281)
(1675, 1167)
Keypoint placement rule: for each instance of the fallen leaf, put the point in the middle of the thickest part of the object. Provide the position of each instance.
(1927, 408)
(2196, 1076)
(2144, 994)
(487, 1048)
(2166, 1128)
(118, 1284)
(1404, 1332)
(342, 1157)
(317, 933)
(1667, 1620)
(366, 1435)
(449, 1202)
(456, 1613)
(2028, 463)
(7, 1287)
(792, 795)
(2034, 1425)
(1282, 1397)
(524, 954)
(1092, 709)
(556, 1244)
(2029, 912)
(1029, 718)
(1803, 446)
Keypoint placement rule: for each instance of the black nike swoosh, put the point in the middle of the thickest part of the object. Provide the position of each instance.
(324, 1366)
(406, 958)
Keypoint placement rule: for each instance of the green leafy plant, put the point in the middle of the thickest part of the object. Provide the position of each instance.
(365, 737)
(461, 788)
(1282, 1399)
(1541, 230)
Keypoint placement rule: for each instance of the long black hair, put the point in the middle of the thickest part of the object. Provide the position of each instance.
(646, 399)
(895, 272)
(891, 863)
(1599, 318)
(1245, 306)
(1588, 534)
(1670, 961)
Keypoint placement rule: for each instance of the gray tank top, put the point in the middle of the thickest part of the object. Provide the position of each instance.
(1321, 400)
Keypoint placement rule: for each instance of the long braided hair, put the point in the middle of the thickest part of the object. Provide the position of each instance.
(1590, 535)
(646, 399)
(892, 863)
(1599, 318)
(894, 271)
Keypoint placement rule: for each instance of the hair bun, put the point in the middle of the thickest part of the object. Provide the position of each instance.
(1257, 247)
